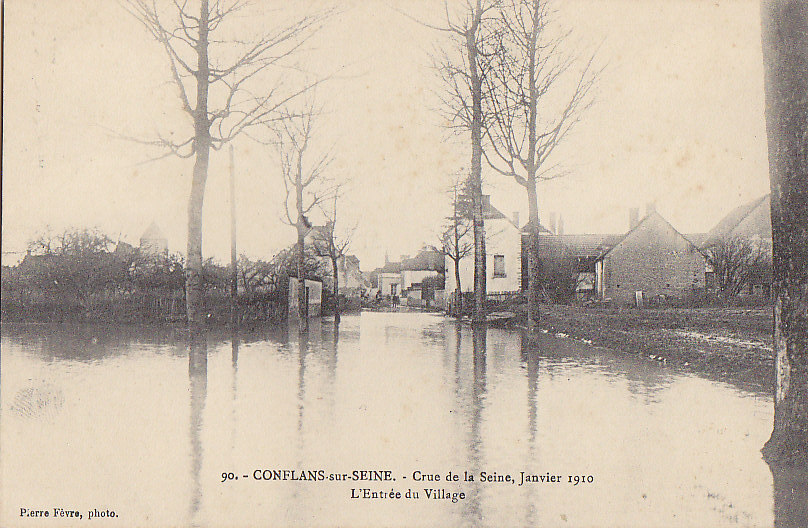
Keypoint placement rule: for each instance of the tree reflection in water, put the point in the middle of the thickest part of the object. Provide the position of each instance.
(198, 377)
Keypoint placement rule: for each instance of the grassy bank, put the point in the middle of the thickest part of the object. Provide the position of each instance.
(727, 344)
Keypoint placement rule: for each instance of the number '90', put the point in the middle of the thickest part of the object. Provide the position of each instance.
(228, 476)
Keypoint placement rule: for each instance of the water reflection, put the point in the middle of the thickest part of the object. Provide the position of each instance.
(530, 361)
(473, 513)
(388, 391)
(198, 377)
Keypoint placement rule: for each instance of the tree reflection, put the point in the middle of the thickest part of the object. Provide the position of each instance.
(530, 359)
(479, 337)
(234, 345)
(198, 377)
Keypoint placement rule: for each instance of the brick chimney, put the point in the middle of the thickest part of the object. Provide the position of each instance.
(650, 207)
(560, 225)
(633, 217)
(553, 222)
(516, 218)
(486, 202)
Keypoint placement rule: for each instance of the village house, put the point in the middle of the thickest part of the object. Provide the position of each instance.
(349, 275)
(752, 223)
(421, 277)
(503, 246)
(653, 261)
(751, 220)
(386, 280)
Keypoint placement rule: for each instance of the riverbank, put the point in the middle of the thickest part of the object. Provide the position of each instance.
(727, 344)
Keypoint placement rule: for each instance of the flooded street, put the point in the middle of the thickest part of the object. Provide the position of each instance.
(126, 420)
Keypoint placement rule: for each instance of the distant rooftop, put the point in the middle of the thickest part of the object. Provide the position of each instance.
(152, 233)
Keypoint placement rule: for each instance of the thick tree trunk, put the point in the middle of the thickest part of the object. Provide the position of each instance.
(532, 198)
(194, 279)
(233, 252)
(478, 314)
(303, 319)
(533, 265)
(302, 306)
(785, 57)
(336, 290)
(790, 496)
(458, 290)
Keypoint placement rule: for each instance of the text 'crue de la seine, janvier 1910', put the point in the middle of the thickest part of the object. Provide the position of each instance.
(432, 491)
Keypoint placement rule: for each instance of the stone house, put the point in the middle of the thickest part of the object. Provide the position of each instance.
(652, 261)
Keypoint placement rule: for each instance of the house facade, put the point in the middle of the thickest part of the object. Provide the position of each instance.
(652, 261)
(503, 246)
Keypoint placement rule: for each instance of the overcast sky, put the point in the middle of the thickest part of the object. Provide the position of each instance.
(678, 120)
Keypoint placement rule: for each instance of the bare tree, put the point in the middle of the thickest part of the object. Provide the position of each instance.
(464, 76)
(305, 185)
(207, 63)
(333, 244)
(785, 60)
(534, 100)
(736, 261)
(454, 241)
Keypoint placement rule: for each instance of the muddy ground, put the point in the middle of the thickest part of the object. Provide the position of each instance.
(726, 344)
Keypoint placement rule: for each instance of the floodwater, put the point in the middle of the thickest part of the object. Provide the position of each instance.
(128, 420)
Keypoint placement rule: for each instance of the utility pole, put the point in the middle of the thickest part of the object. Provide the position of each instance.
(233, 268)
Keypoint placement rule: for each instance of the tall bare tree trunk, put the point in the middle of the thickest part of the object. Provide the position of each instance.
(233, 252)
(303, 320)
(194, 280)
(336, 290)
(302, 308)
(785, 57)
(458, 291)
(533, 264)
(530, 184)
(478, 314)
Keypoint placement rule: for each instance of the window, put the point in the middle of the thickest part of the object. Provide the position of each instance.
(499, 265)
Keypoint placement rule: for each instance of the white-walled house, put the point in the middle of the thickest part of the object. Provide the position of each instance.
(390, 283)
(503, 246)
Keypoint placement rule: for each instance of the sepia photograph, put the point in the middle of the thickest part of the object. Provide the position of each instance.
(411, 263)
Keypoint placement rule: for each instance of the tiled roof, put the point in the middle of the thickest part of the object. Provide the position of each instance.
(590, 245)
